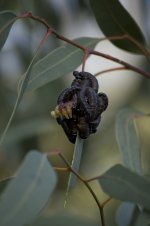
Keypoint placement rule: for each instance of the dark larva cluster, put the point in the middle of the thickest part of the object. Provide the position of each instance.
(79, 107)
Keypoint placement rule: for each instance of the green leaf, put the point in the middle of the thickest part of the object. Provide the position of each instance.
(21, 91)
(6, 21)
(75, 165)
(114, 20)
(121, 183)
(58, 63)
(124, 214)
(128, 139)
(28, 192)
(132, 215)
(4, 183)
(28, 128)
(76, 161)
(142, 219)
(62, 220)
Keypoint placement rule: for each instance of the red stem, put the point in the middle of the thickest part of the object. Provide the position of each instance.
(111, 70)
(87, 51)
(86, 54)
(127, 65)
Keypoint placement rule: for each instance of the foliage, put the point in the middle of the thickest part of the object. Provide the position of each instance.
(26, 193)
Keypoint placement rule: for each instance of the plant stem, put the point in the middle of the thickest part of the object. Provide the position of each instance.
(86, 50)
(111, 70)
(127, 65)
(47, 25)
(143, 50)
(87, 185)
(62, 169)
(86, 54)
(106, 201)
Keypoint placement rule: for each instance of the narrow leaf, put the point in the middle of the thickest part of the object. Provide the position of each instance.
(128, 139)
(114, 20)
(22, 89)
(121, 183)
(58, 63)
(28, 192)
(76, 161)
(6, 21)
(75, 165)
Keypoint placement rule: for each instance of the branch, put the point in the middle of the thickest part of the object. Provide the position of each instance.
(143, 50)
(127, 65)
(88, 51)
(86, 184)
(48, 26)
(111, 70)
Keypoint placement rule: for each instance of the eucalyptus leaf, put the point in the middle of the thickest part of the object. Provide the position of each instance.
(121, 183)
(143, 219)
(75, 165)
(124, 214)
(128, 139)
(22, 89)
(28, 192)
(58, 63)
(4, 183)
(114, 20)
(7, 18)
(76, 161)
(131, 215)
(28, 128)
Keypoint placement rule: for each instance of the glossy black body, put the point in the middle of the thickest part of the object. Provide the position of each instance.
(88, 106)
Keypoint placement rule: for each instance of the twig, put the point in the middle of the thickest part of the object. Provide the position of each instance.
(85, 181)
(127, 65)
(86, 50)
(106, 201)
(87, 185)
(86, 55)
(143, 50)
(62, 169)
(47, 25)
(61, 37)
(28, 15)
(111, 70)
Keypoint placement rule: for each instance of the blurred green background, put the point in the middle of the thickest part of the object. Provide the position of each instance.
(34, 128)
